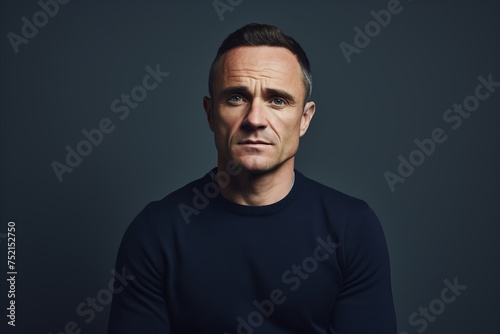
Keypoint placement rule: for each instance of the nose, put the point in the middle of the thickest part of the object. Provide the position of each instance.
(256, 117)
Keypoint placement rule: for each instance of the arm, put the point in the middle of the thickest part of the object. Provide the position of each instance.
(140, 306)
(364, 304)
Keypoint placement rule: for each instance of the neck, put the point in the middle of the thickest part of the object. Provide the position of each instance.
(257, 189)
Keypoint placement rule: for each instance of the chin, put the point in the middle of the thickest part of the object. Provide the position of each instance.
(257, 165)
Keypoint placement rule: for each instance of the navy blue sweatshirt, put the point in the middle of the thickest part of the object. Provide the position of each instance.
(314, 262)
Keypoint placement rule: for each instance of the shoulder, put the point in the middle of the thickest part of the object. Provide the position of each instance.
(168, 211)
(350, 217)
(332, 199)
(351, 221)
(201, 187)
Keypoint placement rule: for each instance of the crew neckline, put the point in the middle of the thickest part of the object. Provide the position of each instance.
(260, 210)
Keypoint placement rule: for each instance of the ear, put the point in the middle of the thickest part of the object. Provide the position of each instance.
(208, 106)
(307, 115)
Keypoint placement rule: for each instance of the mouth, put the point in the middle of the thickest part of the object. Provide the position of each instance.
(253, 142)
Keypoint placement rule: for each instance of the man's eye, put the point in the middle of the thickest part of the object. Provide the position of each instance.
(234, 99)
(278, 102)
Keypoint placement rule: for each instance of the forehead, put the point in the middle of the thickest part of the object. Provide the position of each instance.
(268, 64)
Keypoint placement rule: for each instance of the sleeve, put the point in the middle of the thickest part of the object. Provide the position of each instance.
(365, 304)
(139, 303)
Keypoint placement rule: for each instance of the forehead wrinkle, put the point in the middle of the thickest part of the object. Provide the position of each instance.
(259, 84)
(266, 80)
(269, 79)
(256, 73)
(259, 66)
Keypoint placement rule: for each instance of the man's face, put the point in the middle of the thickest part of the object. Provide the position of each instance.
(257, 111)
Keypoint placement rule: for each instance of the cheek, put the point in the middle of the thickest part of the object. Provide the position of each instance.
(291, 130)
(224, 127)
(290, 140)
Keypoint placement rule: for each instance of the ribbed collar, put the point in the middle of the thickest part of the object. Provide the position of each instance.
(264, 210)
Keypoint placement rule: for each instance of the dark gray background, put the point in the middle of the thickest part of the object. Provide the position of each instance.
(441, 223)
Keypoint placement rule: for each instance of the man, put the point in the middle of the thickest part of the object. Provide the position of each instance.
(254, 246)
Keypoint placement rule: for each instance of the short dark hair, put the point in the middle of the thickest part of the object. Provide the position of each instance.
(255, 34)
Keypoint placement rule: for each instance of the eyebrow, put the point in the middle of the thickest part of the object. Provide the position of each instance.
(268, 91)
